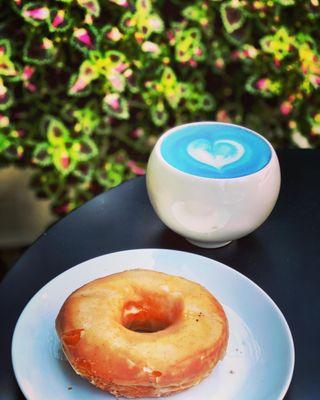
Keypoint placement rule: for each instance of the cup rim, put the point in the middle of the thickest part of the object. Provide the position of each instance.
(168, 132)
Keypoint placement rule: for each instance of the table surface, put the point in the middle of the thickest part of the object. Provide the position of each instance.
(282, 257)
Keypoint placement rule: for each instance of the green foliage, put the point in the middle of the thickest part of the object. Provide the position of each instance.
(86, 86)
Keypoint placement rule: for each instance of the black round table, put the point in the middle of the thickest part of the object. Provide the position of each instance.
(282, 257)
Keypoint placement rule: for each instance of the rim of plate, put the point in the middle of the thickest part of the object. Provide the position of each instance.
(239, 274)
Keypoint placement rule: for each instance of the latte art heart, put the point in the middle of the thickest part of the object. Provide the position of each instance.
(215, 150)
(217, 154)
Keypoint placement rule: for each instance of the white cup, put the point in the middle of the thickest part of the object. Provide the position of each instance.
(211, 212)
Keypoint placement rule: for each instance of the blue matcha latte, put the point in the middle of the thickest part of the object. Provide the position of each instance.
(215, 150)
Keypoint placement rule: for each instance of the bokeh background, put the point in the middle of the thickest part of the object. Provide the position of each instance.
(87, 86)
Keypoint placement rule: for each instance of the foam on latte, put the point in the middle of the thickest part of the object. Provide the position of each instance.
(215, 150)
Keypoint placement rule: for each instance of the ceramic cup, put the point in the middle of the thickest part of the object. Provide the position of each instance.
(226, 188)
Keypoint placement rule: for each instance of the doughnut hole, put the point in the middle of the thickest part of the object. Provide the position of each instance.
(151, 313)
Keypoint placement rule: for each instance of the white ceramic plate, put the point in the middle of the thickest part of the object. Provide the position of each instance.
(260, 356)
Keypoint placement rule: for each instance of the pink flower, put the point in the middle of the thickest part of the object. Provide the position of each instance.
(79, 85)
(219, 63)
(122, 3)
(83, 36)
(114, 35)
(150, 47)
(4, 121)
(116, 81)
(137, 133)
(222, 116)
(37, 13)
(121, 67)
(46, 44)
(28, 71)
(113, 101)
(285, 108)
(155, 23)
(58, 19)
(31, 87)
(314, 79)
(90, 6)
(262, 83)
(135, 169)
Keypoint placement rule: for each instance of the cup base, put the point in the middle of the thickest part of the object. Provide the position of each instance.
(208, 245)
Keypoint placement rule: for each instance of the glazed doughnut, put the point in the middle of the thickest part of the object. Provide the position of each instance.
(142, 333)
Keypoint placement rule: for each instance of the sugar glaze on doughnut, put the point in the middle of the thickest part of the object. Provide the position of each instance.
(142, 333)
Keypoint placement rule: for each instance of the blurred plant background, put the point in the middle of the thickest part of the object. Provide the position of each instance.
(86, 86)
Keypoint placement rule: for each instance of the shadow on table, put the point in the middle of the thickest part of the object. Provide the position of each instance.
(246, 251)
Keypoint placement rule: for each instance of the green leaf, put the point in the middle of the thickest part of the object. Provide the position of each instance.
(57, 133)
(151, 48)
(262, 86)
(85, 38)
(239, 36)
(143, 6)
(42, 155)
(279, 44)
(84, 171)
(207, 102)
(91, 6)
(35, 13)
(196, 12)
(63, 161)
(127, 23)
(39, 50)
(84, 150)
(159, 114)
(7, 67)
(48, 185)
(17, 5)
(188, 45)
(154, 24)
(5, 47)
(4, 142)
(59, 21)
(285, 2)
(6, 98)
(78, 86)
(195, 102)
(131, 80)
(79, 82)
(111, 174)
(87, 118)
(110, 34)
(232, 17)
(117, 81)
(116, 106)
(13, 152)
